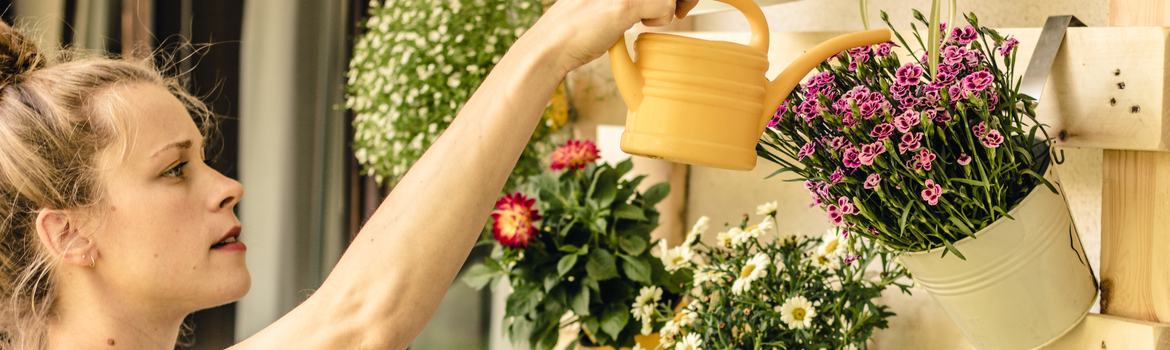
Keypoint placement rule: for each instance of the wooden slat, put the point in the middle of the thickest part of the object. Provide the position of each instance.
(1099, 332)
(1135, 235)
(1133, 197)
(1082, 97)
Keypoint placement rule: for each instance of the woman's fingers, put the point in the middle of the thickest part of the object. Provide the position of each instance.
(682, 7)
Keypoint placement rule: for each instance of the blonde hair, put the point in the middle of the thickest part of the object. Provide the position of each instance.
(54, 121)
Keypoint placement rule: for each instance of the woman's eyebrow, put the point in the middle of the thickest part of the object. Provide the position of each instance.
(181, 144)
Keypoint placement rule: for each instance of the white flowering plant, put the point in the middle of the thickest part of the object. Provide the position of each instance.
(752, 290)
(416, 65)
(581, 245)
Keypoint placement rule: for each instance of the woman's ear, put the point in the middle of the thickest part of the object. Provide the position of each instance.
(58, 231)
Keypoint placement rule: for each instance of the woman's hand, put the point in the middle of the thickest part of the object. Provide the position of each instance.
(585, 29)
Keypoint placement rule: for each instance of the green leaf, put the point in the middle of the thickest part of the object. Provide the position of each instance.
(524, 299)
(614, 318)
(568, 248)
(633, 245)
(952, 249)
(592, 284)
(604, 188)
(567, 262)
(1042, 180)
(636, 268)
(962, 226)
(629, 211)
(905, 215)
(655, 194)
(550, 281)
(601, 265)
(579, 301)
(972, 182)
(479, 275)
(625, 166)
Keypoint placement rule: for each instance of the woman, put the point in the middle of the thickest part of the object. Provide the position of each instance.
(115, 229)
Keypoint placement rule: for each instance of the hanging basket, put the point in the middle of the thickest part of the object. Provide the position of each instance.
(1025, 283)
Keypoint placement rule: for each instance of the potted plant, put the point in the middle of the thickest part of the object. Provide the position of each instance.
(755, 291)
(416, 64)
(936, 160)
(579, 243)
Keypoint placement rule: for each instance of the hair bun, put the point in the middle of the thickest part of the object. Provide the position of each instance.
(18, 55)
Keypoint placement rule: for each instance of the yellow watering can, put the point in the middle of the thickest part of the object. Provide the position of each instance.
(707, 102)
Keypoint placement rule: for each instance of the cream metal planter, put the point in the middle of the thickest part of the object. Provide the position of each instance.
(1025, 283)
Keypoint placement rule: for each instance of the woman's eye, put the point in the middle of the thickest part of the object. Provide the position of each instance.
(177, 171)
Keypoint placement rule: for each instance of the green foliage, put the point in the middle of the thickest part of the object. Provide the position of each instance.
(590, 258)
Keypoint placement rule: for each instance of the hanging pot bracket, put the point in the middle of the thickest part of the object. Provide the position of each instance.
(1044, 55)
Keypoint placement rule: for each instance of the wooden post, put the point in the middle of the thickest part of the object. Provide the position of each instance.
(1135, 223)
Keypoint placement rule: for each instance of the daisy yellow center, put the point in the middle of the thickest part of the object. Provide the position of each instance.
(823, 259)
(747, 270)
(798, 314)
(751, 228)
(676, 260)
(831, 246)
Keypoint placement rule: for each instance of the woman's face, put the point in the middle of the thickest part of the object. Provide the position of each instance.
(161, 238)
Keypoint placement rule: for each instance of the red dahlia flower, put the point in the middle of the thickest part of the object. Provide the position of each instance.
(513, 217)
(574, 155)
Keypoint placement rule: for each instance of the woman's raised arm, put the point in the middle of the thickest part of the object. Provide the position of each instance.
(392, 278)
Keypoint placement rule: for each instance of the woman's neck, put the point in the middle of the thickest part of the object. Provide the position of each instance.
(93, 318)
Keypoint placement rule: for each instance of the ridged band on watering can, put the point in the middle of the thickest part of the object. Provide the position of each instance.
(1025, 283)
(707, 102)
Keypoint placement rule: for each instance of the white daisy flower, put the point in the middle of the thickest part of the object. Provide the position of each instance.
(708, 275)
(644, 304)
(797, 312)
(699, 229)
(832, 243)
(739, 237)
(824, 261)
(668, 333)
(752, 270)
(766, 209)
(647, 326)
(690, 342)
(677, 258)
(725, 238)
(686, 317)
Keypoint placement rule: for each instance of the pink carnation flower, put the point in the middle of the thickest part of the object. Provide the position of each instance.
(836, 176)
(979, 130)
(882, 131)
(906, 121)
(993, 139)
(964, 159)
(910, 142)
(873, 181)
(851, 158)
(806, 150)
(870, 152)
(932, 192)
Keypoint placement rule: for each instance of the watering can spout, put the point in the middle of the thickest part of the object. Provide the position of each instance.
(780, 87)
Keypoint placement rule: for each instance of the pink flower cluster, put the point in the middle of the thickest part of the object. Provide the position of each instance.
(867, 120)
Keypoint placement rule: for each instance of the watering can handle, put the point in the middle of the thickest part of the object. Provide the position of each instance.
(629, 79)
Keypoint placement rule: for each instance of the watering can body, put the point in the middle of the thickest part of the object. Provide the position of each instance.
(705, 102)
